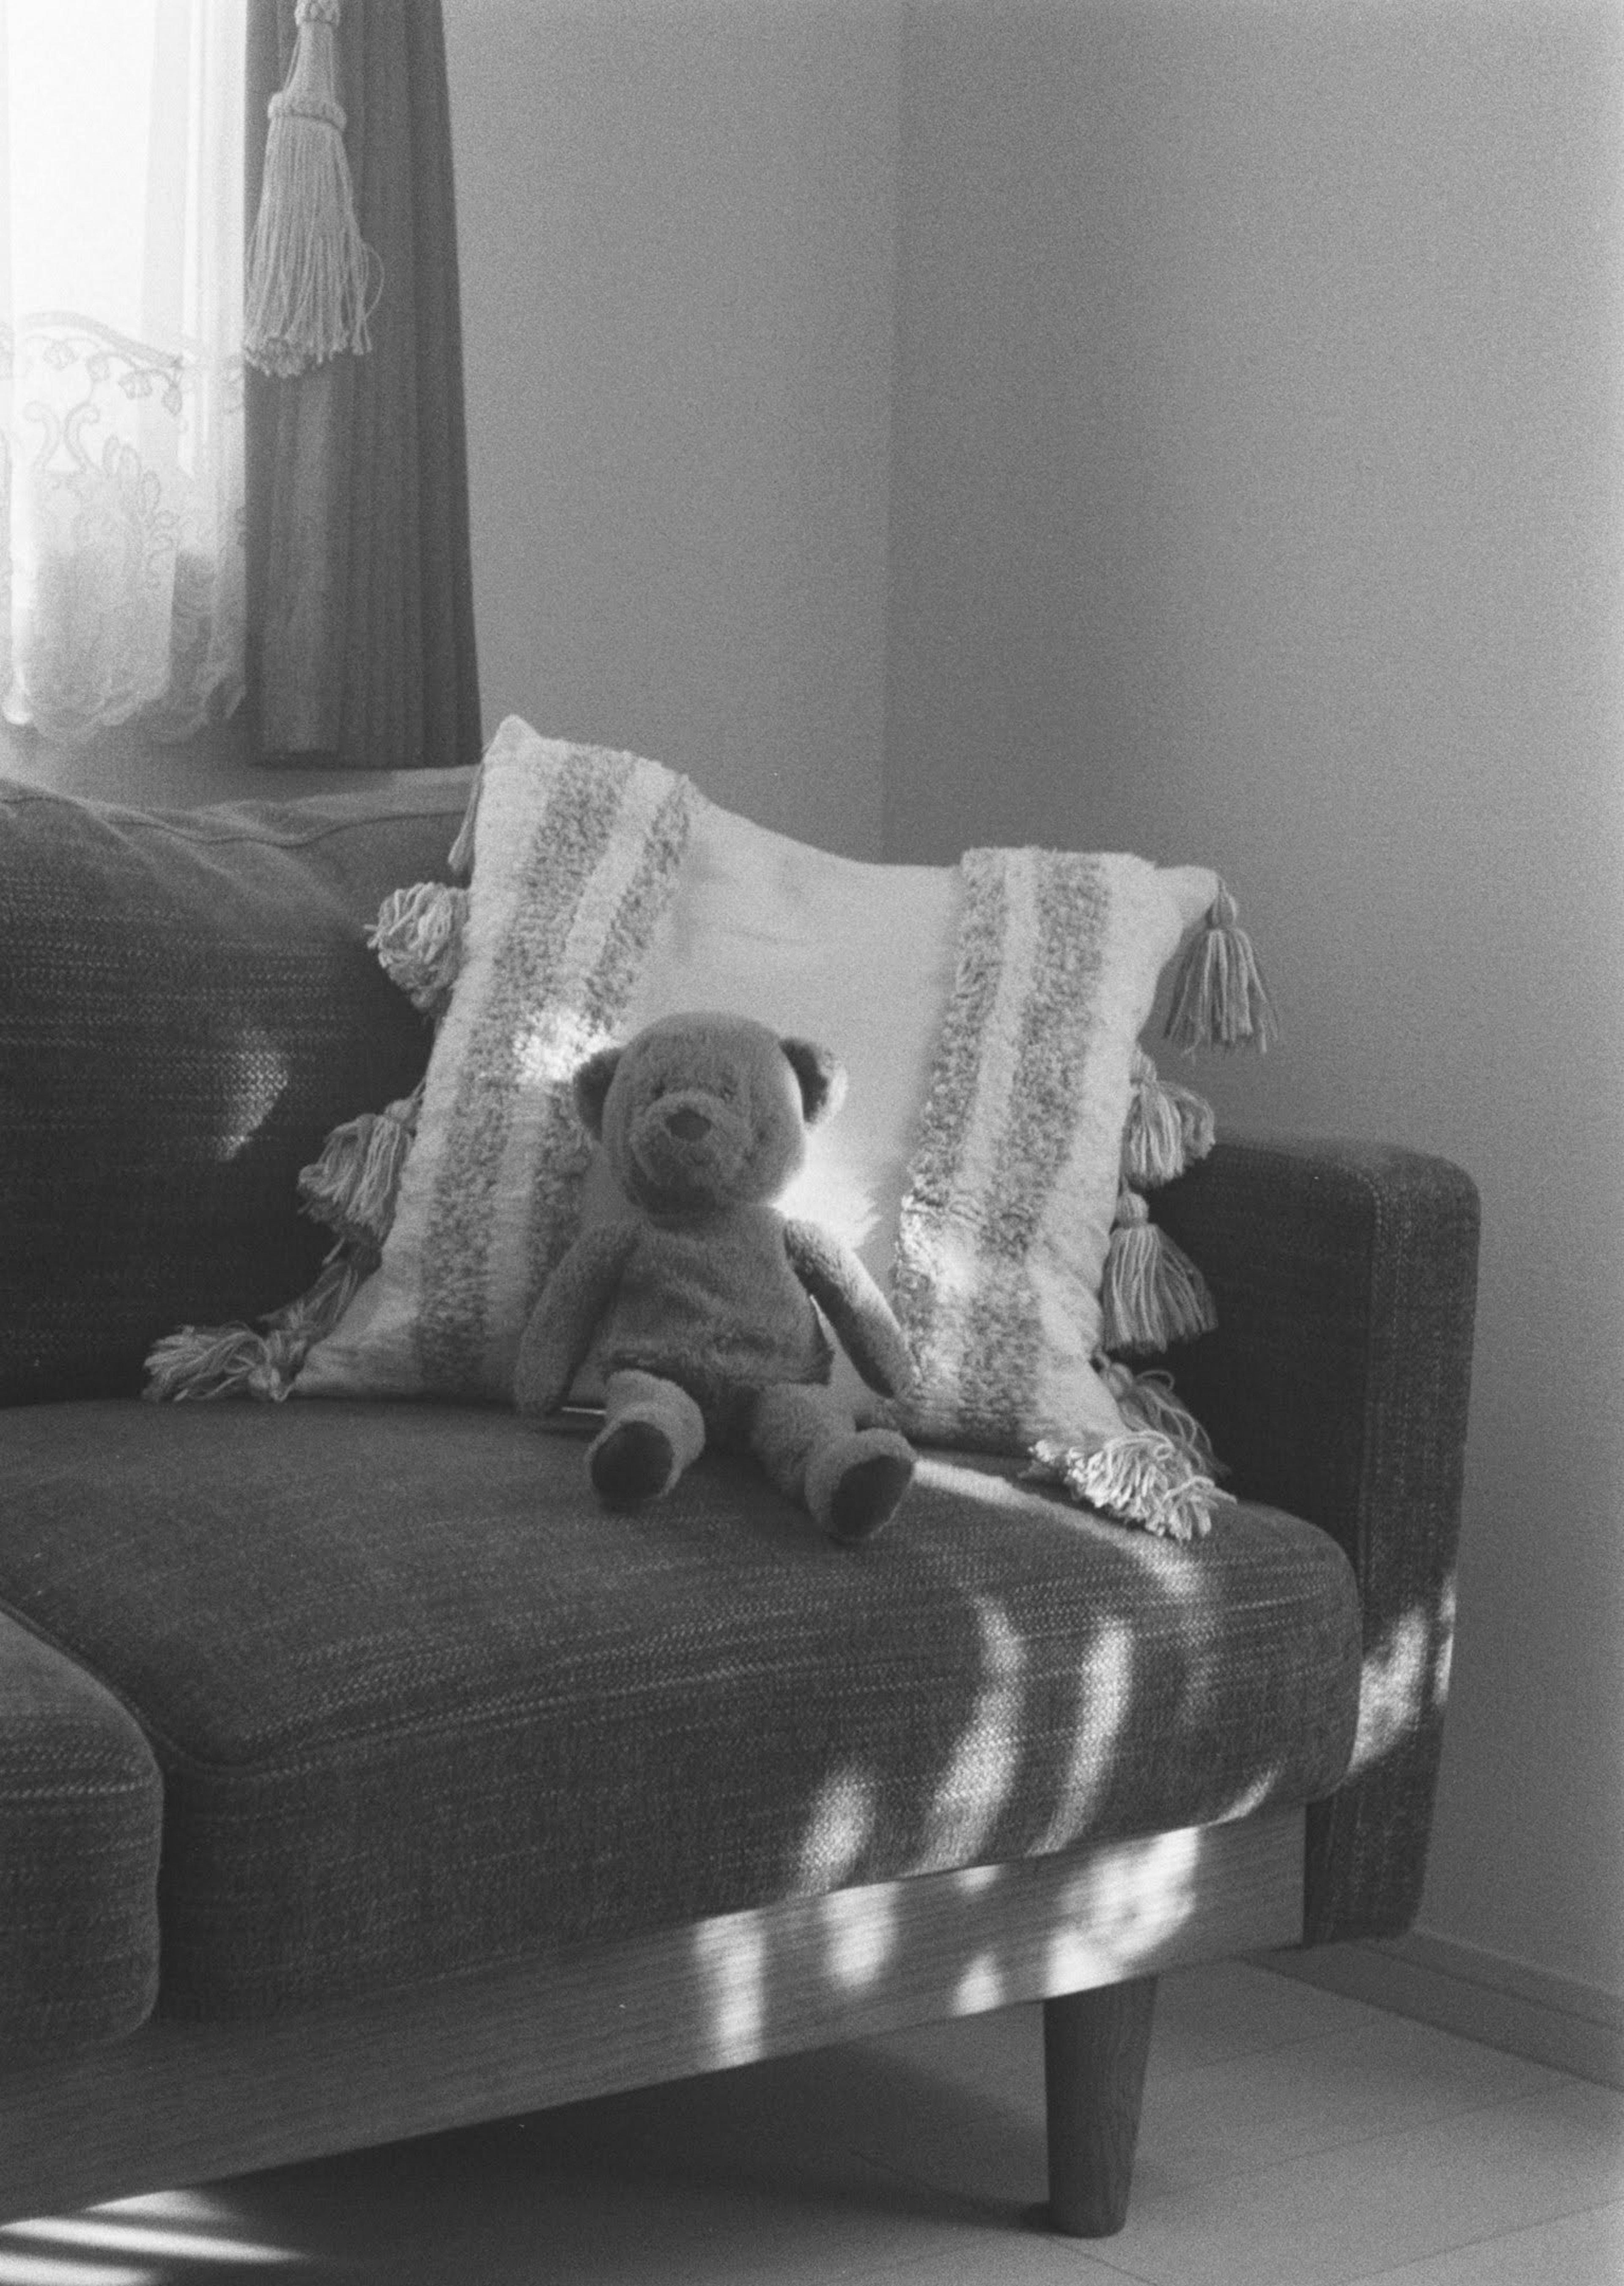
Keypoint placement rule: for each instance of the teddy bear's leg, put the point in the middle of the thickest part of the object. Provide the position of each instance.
(652, 1430)
(850, 1479)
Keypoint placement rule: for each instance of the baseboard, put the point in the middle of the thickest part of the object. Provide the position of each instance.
(1554, 2019)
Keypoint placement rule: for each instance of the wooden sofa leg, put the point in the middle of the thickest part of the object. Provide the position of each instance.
(1095, 2046)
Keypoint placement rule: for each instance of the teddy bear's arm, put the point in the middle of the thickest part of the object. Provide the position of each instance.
(566, 1314)
(853, 1304)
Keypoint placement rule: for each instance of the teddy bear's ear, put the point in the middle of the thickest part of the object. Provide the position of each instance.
(591, 1085)
(822, 1076)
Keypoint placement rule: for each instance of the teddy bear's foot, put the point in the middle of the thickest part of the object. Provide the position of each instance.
(652, 1430)
(869, 1495)
(856, 1486)
(632, 1463)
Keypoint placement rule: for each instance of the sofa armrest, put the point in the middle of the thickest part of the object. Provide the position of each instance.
(1335, 1386)
(80, 1827)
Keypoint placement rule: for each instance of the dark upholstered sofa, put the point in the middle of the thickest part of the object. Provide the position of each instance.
(360, 1775)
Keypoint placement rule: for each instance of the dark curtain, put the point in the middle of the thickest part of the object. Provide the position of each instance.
(359, 586)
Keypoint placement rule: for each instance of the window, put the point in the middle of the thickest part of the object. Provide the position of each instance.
(122, 575)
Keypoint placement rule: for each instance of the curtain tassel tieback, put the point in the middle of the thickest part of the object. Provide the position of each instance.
(311, 288)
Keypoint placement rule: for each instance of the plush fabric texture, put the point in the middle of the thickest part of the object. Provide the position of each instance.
(1016, 1161)
(81, 1820)
(421, 1704)
(987, 1015)
(1336, 1385)
(187, 1005)
(705, 1295)
(574, 865)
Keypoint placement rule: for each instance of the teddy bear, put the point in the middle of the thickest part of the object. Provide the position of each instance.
(704, 1307)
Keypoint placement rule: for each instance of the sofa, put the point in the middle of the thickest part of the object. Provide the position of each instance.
(361, 1775)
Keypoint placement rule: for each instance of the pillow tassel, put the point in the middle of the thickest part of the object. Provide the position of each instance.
(203, 1361)
(1149, 1400)
(207, 1361)
(352, 1187)
(1169, 1127)
(1153, 1294)
(418, 939)
(1139, 1478)
(1218, 996)
(309, 291)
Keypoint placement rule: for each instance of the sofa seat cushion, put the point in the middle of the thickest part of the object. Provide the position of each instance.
(422, 1705)
(81, 1822)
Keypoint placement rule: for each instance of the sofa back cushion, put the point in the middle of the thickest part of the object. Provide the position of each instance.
(187, 1005)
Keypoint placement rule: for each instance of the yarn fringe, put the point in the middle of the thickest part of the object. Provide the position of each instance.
(1149, 1400)
(1153, 1294)
(353, 1187)
(418, 939)
(1169, 1127)
(1139, 1478)
(1218, 996)
(312, 282)
(201, 1362)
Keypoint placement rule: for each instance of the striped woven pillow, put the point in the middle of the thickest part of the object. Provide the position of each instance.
(1005, 1120)
(988, 1016)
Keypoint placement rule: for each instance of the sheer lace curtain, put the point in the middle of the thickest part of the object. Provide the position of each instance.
(121, 569)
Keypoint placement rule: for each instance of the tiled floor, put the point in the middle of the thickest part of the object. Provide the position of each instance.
(1291, 2137)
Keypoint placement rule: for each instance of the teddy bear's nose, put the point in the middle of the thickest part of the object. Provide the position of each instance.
(689, 1125)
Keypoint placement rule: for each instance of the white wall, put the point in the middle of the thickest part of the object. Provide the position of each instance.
(1257, 499)
(676, 225)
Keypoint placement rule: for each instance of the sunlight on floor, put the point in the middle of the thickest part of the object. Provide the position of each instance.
(165, 2226)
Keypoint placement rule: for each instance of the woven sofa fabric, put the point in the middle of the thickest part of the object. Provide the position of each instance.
(1345, 1280)
(187, 1005)
(422, 1705)
(81, 1823)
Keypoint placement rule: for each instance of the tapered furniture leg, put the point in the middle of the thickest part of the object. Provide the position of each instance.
(1095, 2046)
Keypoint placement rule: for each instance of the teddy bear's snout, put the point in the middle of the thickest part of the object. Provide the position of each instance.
(687, 1124)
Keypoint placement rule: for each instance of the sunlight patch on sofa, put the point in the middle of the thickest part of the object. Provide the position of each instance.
(1103, 1696)
(731, 1958)
(253, 1083)
(980, 1987)
(859, 1930)
(981, 1485)
(1443, 1646)
(976, 1784)
(1404, 1678)
(837, 1830)
(1251, 1798)
(1123, 1911)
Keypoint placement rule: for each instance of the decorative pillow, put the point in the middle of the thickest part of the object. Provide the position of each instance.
(186, 1006)
(988, 1016)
